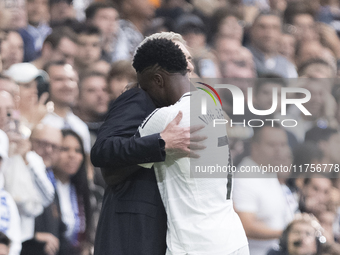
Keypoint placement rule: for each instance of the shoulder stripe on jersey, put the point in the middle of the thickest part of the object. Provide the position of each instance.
(150, 117)
(189, 95)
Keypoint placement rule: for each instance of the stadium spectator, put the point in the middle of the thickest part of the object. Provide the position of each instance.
(260, 202)
(287, 46)
(105, 16)
(46, 142)
(120, 75)
(12, 49)
(37, 28)
(328, 140)
(93, 101)
(303, 235)
(60, 45)
(32, 109)
(264, 35)
(5, 243)
(73, 192)
(89, 48)
(317, 68)
(64, 92)
(8, 84)
(61, 10)
(10, 219)
(193, 31)
(135, 15)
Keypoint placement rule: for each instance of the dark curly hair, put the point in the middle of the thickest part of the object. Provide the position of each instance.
(162, 52)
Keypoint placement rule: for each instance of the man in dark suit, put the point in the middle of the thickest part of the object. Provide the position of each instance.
(133, 219)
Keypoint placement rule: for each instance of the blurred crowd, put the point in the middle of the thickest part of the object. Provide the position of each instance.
(63, 62)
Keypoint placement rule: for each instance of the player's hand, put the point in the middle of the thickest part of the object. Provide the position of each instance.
(180, 141)
(52, 242)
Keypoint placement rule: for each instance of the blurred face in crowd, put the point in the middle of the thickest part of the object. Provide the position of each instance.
(37, 11)
(305, 28)
(317, 193)
(265, 33)
(15, 12)
(317, 102)
(226, 48)
(301, 239)
(93, 97)
(6, 109)
(61, 11)
(263, 99)
(63, 85)
(4, 249)
(28, 94)
(195, 40)
(106, 20)
(331, 148)
(117, 86)
(89, 49)
(12, 50)
(287, 46)
(271, 147)
(139, 8)
(230, 27)
(70, 158)
(319, 70)
(65, 51)
(11, 87)
(46, 142)
(309, 50)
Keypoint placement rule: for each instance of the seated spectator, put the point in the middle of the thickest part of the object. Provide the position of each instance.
(302, 17)
(226, 22)
(8, 84)
(49, 229)
(93, 100)
(89, 48)
(303, 235)
(287, 46)
(6, 110)
(4, 244)
(12, 50)
(10, 219)
(60, 45)
(317, 68)
(120, 75)
(193, 31)
(32, 109)
(61, 10)
(264, 35)
(64, 91)
(46, 142)
(16, 14)
(328, 140)
(307, 51)
(37, 29)
(73, 191)
(135, 15)
(106, 18)
(316, 195)
(261, 202)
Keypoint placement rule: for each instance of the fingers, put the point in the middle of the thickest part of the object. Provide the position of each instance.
(43, 98)
(197, 146)
(178, 118)
(197, 138)
(196, 128)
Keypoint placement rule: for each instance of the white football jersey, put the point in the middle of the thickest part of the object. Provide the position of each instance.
(201, 218)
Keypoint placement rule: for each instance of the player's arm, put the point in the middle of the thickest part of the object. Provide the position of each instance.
(256, 229)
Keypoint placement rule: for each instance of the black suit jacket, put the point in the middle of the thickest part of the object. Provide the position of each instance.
(133, 219)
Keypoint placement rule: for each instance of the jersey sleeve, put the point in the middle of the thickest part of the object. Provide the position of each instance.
(156, 122)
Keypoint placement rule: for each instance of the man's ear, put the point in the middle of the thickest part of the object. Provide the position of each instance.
(47, 50)
(159, 80)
